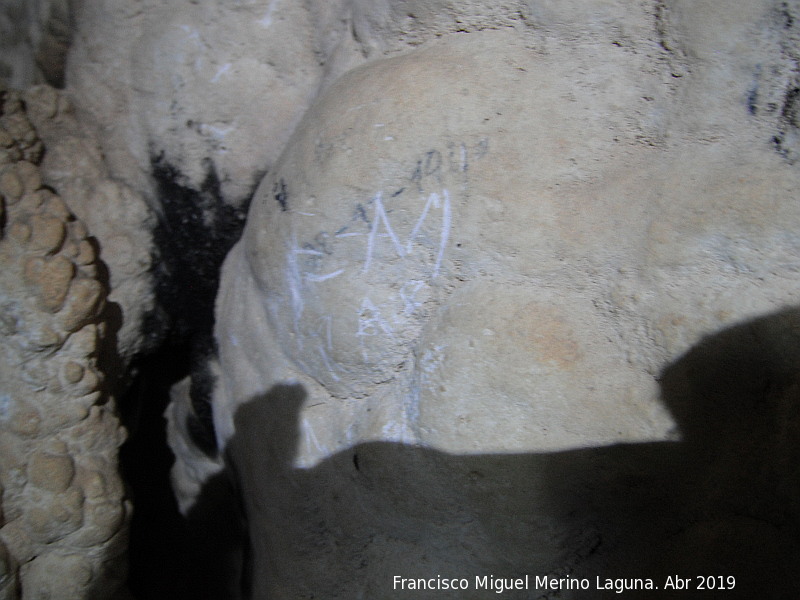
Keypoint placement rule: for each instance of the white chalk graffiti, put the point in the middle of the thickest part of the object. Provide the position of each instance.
(394, 243)
(446, 219)
(380, 217)
(304, 268)
(220, 72)
(370, 320)
(381, 220)
(266, 20)
(313, 277)
(295, 281)
(312, 443)
(326, 360)
(408, 295)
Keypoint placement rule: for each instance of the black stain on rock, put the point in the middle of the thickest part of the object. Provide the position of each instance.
(360, 214)
(280, 194)
(788, 124)
(777, 90)
(790, 110)
(788, 19)
(433, 162)
(752, 93)
(194, 234)
(429, 166)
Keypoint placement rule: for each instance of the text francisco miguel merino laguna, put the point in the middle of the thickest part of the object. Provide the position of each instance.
(543, 582)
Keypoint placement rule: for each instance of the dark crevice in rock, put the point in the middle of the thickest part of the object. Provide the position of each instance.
(193, 236)
(674, 56)
(159, 535)
(200, 424)
(783, 104)
(172, 556)
(661, 25)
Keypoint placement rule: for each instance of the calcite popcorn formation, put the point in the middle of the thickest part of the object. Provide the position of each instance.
(64, 511)
(114, 213)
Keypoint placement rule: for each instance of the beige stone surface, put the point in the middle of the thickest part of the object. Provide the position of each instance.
(209, 87)
(34, 40)
(387, 246)
(64, 507)
(120, 220)
(517, 292)
(461, 331)
(202, 86)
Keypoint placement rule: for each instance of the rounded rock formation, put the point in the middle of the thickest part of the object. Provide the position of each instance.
(59, 435)
(454, 334)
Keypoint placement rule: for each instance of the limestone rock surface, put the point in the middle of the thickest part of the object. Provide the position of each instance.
(34, 40)
(63, 523)
(195, 462)
(505, 301)
(517, 293)
(119, 218)
(215, 90)
(211, 89)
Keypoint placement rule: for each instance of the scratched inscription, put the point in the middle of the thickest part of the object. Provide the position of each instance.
(397, 239)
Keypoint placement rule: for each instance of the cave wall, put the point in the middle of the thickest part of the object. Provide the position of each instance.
(516, 291)
(509, 305)
(35, 36)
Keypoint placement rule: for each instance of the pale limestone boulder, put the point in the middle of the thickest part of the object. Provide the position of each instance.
(194, 465)
(418, 246)
(209, 88)
(455, 336)
(215, 89)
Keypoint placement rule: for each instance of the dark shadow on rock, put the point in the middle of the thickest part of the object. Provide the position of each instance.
(722, 502)
(172, 556)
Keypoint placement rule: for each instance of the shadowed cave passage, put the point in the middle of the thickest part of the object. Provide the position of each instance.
(724, 501)
(170, 556)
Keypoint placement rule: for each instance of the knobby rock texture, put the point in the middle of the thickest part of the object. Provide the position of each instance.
(64, 513)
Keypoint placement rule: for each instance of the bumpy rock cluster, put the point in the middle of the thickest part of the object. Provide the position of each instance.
(64, 511)
(117, 216)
